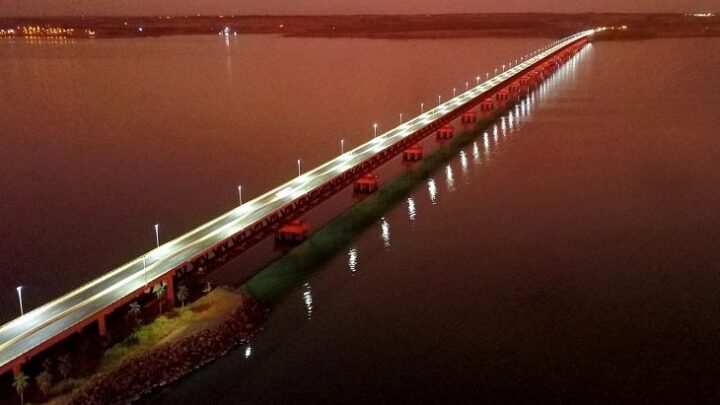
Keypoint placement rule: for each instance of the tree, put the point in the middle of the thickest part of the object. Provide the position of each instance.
(44, 381)
(134, 310)
(64, 366)
(182, 294)
(47, 364)
(160, 291)
(21, 383)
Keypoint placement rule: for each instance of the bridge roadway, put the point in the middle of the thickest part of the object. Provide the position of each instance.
(38, 329)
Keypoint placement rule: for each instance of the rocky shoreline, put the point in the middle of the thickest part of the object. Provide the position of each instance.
(141, 375)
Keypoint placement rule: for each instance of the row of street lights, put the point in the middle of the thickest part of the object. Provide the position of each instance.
(342, 151)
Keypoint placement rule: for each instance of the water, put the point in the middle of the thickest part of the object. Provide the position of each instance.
(103, 139)
(570, 254)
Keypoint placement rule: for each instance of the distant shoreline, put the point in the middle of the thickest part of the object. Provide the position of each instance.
(363, 26)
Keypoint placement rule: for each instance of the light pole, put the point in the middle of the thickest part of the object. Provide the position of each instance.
(467, 86)
(19, 290)
(422, 108)
(487, 75)
(342, 146)
(298, 162)
(477, 79)
(157, 235)
(240, 194)
(503, 68)
(454, 91)
(401, 120)
(439, 100)
(375, 130)
(495, 71)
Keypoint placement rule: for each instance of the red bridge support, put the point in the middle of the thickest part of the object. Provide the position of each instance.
(413, 153)
(469, 117)
(295, 231)
(367, 184)
(446, 132)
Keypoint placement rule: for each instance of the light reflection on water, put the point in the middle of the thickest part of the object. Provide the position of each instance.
(353, 259)
(308, 300)
(385, 232)
(411, 208)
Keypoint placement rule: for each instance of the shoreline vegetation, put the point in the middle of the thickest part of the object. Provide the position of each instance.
(429, 26)
(164, 350)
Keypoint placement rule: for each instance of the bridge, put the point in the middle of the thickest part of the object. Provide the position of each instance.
(237, 230)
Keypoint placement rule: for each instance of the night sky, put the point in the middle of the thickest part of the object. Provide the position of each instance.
(189, 7)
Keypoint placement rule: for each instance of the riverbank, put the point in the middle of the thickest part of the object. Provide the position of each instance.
(364, 26)
(166, 349)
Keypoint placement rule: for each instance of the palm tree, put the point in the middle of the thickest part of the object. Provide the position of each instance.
(64, 366)
(44, 382)
(134, 310)
(182, 294)
(160, 291)
(21, 383)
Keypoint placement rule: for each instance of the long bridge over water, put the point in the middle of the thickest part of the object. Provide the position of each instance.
(239, 229)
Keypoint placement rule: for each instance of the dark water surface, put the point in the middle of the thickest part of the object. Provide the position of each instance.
(571, 254)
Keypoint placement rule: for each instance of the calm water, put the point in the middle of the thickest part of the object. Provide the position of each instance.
(570, 254)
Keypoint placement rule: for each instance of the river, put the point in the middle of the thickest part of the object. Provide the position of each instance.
(568, 254)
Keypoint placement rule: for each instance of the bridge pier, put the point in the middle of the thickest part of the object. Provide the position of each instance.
(295, 231)
(487, 105)
(469, 117)
(102, 326)
(366, 184)
(502, 95)
(170, 289)
(413, 153)
(446, 132)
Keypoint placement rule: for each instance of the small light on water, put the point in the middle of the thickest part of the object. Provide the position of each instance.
(248, 352)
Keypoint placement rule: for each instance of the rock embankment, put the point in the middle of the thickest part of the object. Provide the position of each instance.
(139, 376)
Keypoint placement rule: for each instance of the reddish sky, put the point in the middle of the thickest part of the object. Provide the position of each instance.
(177, 7)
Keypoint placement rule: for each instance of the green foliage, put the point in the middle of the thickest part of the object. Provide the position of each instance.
(44, 382)
(64, 366)
(182, 294)
(21, 383)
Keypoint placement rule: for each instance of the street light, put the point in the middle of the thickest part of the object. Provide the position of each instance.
(422, 108)
(157, 235)
(439, 99)
(19, 290)
(495, 71)
(487, 75)
(454, 91)
(298, 162)
(401, 120)
(342, 146)
(467, 86)
(374, 130)
(240, 194)
(477, 79)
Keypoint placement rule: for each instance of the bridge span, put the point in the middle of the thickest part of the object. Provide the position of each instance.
(240, 228)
